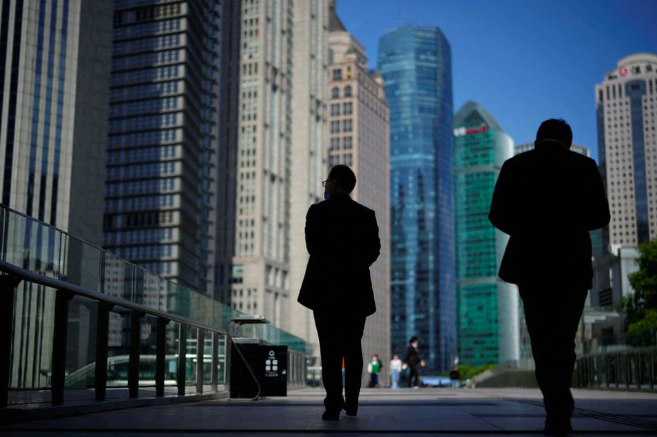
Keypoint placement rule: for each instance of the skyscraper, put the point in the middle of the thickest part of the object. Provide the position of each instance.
(487, 306)
(415, 63)
(54, 91)
(54, 82)
(162, 136)
(280, 153)
(525, 147)
(627, 147)
(359, 138)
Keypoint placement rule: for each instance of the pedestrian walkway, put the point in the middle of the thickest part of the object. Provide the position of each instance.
(403, 412)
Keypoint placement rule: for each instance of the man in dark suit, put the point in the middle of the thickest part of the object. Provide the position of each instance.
(342, 238)
(547, 200)
(412, 359)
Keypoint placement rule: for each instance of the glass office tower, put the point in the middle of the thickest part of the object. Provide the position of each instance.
(161, 133)
(417, 72)
(487, 306)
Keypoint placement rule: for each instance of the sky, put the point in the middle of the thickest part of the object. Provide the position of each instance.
(523, 60)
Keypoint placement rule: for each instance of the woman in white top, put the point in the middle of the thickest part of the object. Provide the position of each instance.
(395, 370)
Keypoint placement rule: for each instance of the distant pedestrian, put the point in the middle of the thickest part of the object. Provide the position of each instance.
(395, 370)
(412, 359)
(547, 200)
(455, 377)
(374, 368)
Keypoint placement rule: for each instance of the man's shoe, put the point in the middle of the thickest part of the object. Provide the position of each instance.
(331, 415)
(351, 412)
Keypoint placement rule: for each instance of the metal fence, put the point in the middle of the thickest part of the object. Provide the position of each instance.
(634, 368)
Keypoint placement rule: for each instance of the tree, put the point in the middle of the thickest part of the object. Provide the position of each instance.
(641, 306)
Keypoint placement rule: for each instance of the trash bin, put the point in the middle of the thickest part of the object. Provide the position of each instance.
(268, 363)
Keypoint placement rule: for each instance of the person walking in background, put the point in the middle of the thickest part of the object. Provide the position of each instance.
(342, 238)
(412, 359)
(374, 368)
(395, 370)
(547, 200)
(455, 377)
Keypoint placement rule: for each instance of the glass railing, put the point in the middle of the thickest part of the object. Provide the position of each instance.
(40, 248)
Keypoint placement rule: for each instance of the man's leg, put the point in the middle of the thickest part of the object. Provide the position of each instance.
(329, 345)
(353, 360)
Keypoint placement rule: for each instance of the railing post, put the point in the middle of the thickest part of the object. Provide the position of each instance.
(8, 286)
(214, 373)
(227, 352)
(135, 343)
(628, 370)
(639, 370)
(617, 370)
(652, 369)
(161, 351)
(182, 358)
(200, 349)
(59, 346)
(102, 334)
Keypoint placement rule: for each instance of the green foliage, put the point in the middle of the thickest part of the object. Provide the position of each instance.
(641, 306)
(467, 371)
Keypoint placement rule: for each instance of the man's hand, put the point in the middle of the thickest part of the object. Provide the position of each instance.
(422, 363)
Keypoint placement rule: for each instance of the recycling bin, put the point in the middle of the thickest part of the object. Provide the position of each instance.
(267, 362)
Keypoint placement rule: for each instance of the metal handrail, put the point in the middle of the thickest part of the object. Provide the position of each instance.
(47, 281)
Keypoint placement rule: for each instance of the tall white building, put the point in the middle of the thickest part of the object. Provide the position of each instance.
(279, 154)
(54, 95)
(626, 104)
(358, 119)
(54, 85)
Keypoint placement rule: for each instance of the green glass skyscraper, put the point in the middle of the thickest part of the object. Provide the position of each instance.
(487, 306)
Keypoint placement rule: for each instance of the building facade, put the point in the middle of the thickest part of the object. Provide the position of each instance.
(279, 153)
(54, 91)
(627, 147)
(415, 63)
(162, 136)
(526, 147)
(487, 306)
(358, 117)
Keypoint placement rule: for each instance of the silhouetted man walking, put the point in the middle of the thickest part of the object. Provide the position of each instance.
(547, 200)
(342, 238)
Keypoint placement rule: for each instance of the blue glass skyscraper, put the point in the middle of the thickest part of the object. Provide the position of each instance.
(417, 72)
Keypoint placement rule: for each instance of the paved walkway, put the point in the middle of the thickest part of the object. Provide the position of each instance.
(403, 412)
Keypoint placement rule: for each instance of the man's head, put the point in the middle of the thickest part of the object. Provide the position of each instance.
(555, 130)
(413, 341)
(340, 179)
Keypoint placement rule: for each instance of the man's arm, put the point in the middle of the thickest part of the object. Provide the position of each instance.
(597, 210)
(502, 207)
(373, 243)
(312, 237)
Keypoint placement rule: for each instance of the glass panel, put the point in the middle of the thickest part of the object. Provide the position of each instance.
(118, 354)
(147, 351)
(81, 343)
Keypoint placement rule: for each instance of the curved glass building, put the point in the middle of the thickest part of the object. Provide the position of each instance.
(487, 306)
(416, 66)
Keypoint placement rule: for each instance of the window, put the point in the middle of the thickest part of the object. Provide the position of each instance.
(335, 127)
(348, 159)
(347, 125)
(347, 91)
(333, 160)
(335, 93)
(337, 74)
(335, 109)
(335, 143)
(347, 108)
(348, 142)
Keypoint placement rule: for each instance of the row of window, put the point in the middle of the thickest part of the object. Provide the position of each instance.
(147, 75)
(141, 203)
(143, 170)
(151, 28)
(142, 91)
(147, 13)
(145, 106)
(138, 219)
(347, 143)
(142, 236)
(145, 138)
(137, 253)
(335, 92)
(347, 126)
(146, 44)
(140, 187)
(346, 159)
(147, 59)
(347, 108)
(147, 122)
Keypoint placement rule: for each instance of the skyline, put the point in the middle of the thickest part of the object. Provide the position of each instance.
(595, 28)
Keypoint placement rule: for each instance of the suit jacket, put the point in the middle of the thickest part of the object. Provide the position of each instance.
(411, 358)
(342, 238)
(547, 200)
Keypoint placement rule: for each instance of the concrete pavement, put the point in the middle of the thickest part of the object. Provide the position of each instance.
(403, 412)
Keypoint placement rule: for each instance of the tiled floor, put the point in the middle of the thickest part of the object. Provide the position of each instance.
(391, 412)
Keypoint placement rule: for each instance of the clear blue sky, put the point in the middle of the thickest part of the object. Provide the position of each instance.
(523, 60)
